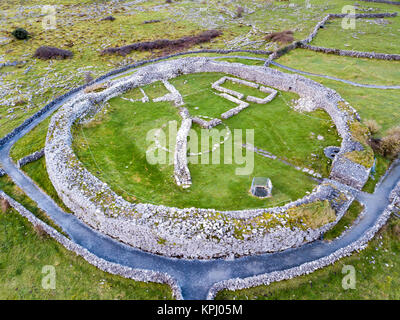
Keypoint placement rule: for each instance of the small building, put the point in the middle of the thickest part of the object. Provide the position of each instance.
(261, 187)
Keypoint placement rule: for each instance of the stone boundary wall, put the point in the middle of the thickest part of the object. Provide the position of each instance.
(30, 158)
(384, 1)
(25, 160)
(351, 53)
(296, 44)
(11, 64)
(106, 266)
(306, 268)
(142, 225)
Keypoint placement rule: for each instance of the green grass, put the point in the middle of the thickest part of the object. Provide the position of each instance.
(347, 220)
(24, 253)
(118, 158)
(377, 276)
(197, 93)
(369, 35)
(244, 61)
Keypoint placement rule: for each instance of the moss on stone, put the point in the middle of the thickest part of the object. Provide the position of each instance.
(315, 214)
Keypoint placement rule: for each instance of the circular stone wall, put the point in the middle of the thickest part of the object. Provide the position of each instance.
(193, 232)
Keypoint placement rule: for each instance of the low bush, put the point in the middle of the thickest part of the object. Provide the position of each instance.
(389, 145)
(20, 34)
(239, 12)
(88, 77)
(282, 37)
(39, 230)
(46, 53)
(170, 45)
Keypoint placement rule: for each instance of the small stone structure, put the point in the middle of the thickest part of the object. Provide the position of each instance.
(261, 187)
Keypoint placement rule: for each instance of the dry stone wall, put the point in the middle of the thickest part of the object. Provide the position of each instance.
(188, 232)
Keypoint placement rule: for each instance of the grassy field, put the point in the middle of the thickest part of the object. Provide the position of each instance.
(23, 253)
(347, 220)
(119, 157)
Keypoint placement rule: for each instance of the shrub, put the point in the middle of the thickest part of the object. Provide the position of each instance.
(239, 12)
(4, 205)
(39, 230)
(20, 34)
(170, 45)
(375, 144)
(396, 231)
(88, 77)
(46, 53)
(372, 126)
(390, 144)
(20, 102)
(109, 18)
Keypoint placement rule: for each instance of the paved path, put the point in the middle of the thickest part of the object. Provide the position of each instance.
(195, 277)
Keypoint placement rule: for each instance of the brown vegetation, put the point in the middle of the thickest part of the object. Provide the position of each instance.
(39, 230)
(169, 45)
(88, 77)
(239, 12)
(282, 37)
(46, 53)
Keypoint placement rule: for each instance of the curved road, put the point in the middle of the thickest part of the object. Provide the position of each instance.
(195, 277)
